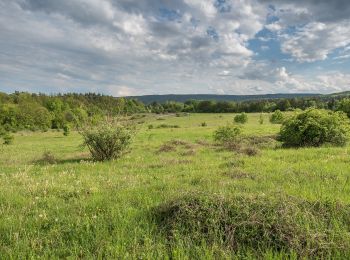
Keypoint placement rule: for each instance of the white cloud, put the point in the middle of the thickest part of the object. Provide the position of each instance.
(127, 47)
(121, 91)
(273, 27)
(316, 41)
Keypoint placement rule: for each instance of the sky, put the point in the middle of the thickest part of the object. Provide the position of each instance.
(143, 47)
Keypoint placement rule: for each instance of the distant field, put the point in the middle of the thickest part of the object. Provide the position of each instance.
(83, 209)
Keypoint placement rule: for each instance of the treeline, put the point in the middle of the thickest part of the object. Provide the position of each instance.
(20, 111)
(265, 105)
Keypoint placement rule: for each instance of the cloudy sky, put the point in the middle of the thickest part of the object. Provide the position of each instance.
(135, 47)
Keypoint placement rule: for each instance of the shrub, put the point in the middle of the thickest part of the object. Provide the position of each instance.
(107, 141)
(226, 134)
(66, 130)
(150, 126)
(203, 124)
(277, 117)
(168, 126)
(8, 139)
(315, 127)
(241, 118)
(47, 158)
(261, 119)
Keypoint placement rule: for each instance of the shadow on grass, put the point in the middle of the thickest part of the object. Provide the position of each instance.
(49, 158)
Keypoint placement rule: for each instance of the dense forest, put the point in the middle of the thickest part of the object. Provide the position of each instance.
(26, 111)
(19, 111)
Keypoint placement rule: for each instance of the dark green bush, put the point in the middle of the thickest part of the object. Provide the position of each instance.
(107, 141)
(277, 117)
(8, 138)
(226, 134)
(241, 118)
(315, 127)
(66, 130)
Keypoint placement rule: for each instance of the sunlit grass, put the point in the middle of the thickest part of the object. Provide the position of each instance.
(80, 208)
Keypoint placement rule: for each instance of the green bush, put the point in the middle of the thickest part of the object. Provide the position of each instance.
(204, 124)
(241, 118)
(107, 141)
(261, 119)
(315, 127)
(66, 130)
(277, 117)
(226, 134)
(8, 139)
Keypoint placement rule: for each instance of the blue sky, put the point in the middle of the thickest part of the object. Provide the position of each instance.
(137, 47)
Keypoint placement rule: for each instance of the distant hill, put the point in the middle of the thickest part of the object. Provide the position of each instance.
(339, 94)
(147, 99)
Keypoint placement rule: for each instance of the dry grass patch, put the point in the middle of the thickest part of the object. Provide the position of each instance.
(257, 224)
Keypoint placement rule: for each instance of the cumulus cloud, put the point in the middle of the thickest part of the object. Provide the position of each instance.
(129, 47)
(316, 40)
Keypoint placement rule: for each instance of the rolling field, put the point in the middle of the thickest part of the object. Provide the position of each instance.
(77, 208)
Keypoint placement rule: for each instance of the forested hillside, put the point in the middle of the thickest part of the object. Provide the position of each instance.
(19, 111)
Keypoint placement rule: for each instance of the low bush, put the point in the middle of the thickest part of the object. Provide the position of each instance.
(66, 130)
(107, 141)
(204, 124)
(261, 119)
(277, 117)
(226, 134)
(241, 118)
(8, 139)
(315, 127)
(168, 126)
(257, 225)
(47, 158)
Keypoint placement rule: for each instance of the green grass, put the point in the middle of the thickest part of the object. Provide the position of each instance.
(83, 209)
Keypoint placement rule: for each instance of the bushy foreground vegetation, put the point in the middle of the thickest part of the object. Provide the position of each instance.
(178, 193)
(295, 227)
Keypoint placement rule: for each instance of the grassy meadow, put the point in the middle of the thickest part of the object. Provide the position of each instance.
(168, 197)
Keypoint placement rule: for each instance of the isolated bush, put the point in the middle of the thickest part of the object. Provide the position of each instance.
(277, 117)
(150, 126)
(226, 134)
(47, 158)
(66, 130)
(204, 124)
(315, 127)
(261, 119)
(257, 224)
(241, 118)
(8, 138)
(107, 141)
